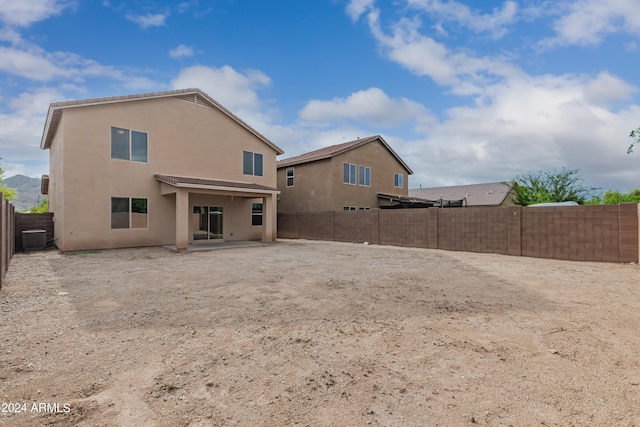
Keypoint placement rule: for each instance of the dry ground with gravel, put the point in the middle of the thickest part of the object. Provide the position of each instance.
(317, 334)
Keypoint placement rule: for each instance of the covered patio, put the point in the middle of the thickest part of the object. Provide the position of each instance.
(188, 189)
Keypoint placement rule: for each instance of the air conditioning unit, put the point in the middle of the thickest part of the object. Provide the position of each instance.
(34, 240)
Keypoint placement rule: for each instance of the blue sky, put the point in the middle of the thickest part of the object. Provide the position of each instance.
(464, 91)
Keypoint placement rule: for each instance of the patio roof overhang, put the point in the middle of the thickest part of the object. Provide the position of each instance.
(245, 189)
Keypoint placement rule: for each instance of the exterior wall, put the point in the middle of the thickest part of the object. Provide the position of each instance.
(184, 139)
(580, 233)
(311, 190)
(319, 185)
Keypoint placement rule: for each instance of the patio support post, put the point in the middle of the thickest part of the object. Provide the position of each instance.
(182, 219)
(268, 223)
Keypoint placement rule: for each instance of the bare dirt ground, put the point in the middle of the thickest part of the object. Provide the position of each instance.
(317, 334)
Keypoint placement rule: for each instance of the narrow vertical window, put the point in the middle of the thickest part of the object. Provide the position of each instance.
(119, 144)
(119, 212)
(139, 150)
(289, 177)
(256, 213)
(139, 213)
(247, 163)
(398, 180)
(364, 177)
(349, 173)
(257, 164)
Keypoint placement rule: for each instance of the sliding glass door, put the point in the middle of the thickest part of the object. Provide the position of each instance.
(207, 223)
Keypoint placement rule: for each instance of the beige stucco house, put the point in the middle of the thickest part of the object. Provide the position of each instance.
(361, 174)
(156, 169)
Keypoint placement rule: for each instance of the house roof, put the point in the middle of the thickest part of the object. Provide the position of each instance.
(213, 184)
(334, 150)
(490, 194)
(197, 96)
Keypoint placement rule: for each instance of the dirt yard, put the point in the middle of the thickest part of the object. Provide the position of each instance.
(317, 334)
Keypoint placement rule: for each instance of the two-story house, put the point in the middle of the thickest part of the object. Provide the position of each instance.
(361, 174)
(155, 169)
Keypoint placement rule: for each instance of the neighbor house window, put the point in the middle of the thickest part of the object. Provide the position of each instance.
(129, 212)
(349, 173)
(252, 163)
(256, 213)
(289, 177)
(129, 145)
(348, 208)
(365, 176)
(364, 208)
(397, 180)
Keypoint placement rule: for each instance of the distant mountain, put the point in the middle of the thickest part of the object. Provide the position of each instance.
(28, 191)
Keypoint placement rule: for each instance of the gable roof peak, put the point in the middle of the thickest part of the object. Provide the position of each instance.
(336, 149)
(55, 111)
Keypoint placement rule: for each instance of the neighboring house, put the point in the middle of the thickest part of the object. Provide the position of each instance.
(154, 169)
(474, 195)
(348, 176)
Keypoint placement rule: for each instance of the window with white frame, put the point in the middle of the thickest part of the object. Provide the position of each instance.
(398, 180)
(289, 177)
(129, 212)
(349, 173)
(252, 163)
(364, 208)
(256, 213)
(364, 176)
(129, 145)
(348, 208)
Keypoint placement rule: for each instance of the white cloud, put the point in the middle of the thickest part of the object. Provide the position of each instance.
(25, 13)
(235, 90)
(149, 20)
(356, 8)
(181, 51)
(424, 56)
(495, 23)
(33, 65)
(587, 22)
(20, 133)
(372, 106)
(532, 123)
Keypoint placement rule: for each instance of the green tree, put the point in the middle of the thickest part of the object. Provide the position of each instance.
(611, 197)
(8, 193)
(548, 186)
(635, 134)
(42, 207)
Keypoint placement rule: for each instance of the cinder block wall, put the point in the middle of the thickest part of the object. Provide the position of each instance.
(581, 233)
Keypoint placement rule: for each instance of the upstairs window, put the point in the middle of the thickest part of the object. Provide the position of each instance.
(397, 180)
(349, 173)
(289, 177)
(252, 163)
(129, 145)
(365, 176)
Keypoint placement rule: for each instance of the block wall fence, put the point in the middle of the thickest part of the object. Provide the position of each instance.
(606, 233)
